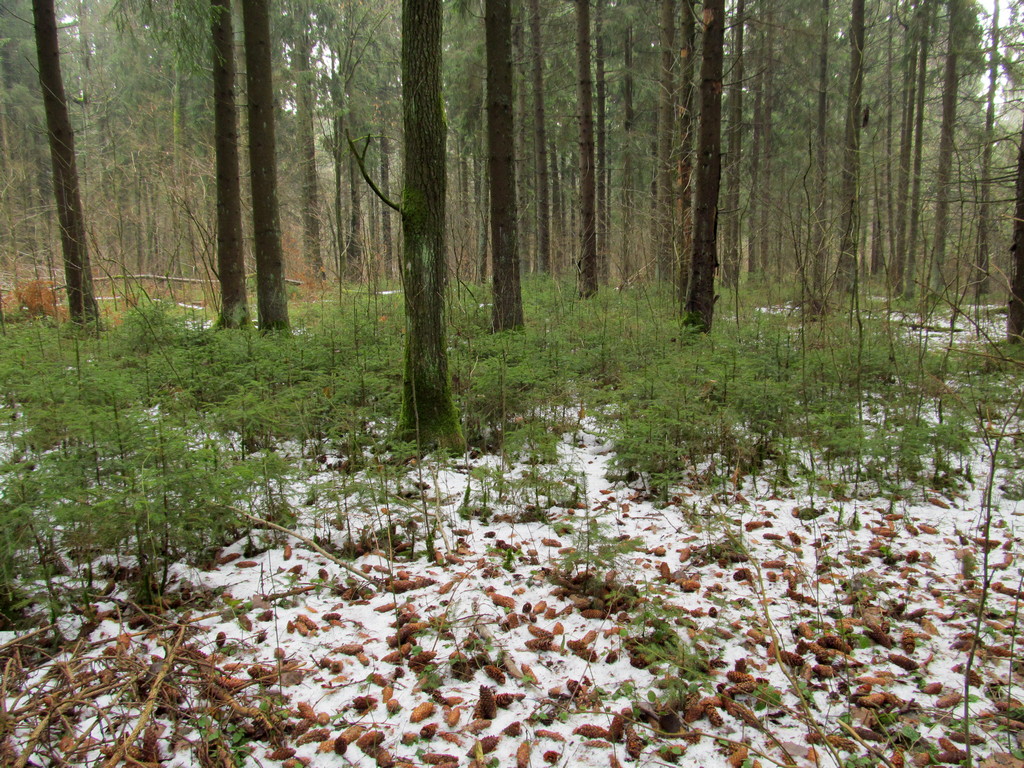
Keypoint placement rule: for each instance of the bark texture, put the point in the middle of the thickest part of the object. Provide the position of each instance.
(700, 297)
(428, 415)
(540, 141)
(271, 299)
(846, 274)
(82, 307)
(508, 303)
(1015, 316)
(234, 306)
(585, 96)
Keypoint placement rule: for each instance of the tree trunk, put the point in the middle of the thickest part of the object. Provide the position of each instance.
(910, 274)
(950, 83)
(602, 144)
(700, 296)
(82, 307)
(1015, 315)
(508, 304)
(665, 207)
(847, 271)
(385, 211)
(899, 258)
(981, 270)
(355, 220)
(587, 269)
(428, 415)
(733, 247)
(234, 308)
(271, 299)
(819, 254)
(684, 153)
(304, 116)
(628, 180)
(540, 143)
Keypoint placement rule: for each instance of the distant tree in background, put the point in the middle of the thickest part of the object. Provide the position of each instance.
(82, 305)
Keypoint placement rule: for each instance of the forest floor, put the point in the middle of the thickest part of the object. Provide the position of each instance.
(792, 542)
(747, 626)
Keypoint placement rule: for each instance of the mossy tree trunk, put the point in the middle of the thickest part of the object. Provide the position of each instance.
(428, 415)
(82, 305)
(1015, 315)
(234, 308)
(271, 299)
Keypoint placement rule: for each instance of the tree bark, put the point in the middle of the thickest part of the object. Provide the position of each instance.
(540, 143)
(733, 246)
(910, 274)
(1015, 315)
(428, 415)
(271, 298)
(665, 205)
(899, 258)
(385, 211)
(601, 165)
(304, 116)
(847, 271)
(684, 154)
(628, 180)
(700, 296)
(819, 254)
(234, 307)
(508, 304)
(981, 270)
(950, 83)
(82, 307)
(587, 269)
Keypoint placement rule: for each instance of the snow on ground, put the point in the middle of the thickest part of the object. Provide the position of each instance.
(732, 625)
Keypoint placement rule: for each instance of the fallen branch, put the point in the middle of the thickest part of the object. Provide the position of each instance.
(309, 543)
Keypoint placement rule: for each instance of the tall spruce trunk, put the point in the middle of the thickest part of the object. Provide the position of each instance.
(943, 176)
(508, 304)
(601, 157)
(304, 118)
(665, 199)
(897, 266)
(685, 151)
(385, 211)
(628, 179)
(588, 268)
(428, 416)
(82, 306)
(819, 253)
(540, 142)
(1015, 314)
(981, 268)
(913, 236)
(700, 297)
(847, 270)
(234, 307)
(271, 298)
(733, 227)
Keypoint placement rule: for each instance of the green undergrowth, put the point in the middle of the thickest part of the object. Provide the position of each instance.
(136, 445)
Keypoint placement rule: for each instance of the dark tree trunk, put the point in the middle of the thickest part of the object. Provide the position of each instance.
(899, 258)
(981, 276)
(685, 152)
(950, 83)
(910, 275)
(1015, 316)
(540, 143)
(355, 220)
(819, 254)
(304, 116)
(82, 307)
(585, 94)
(271, 299)
(628, 180)
(385, 211)
(700, 296)
(558, 226)
(846, 274)
(234, 308)
(602, 144)
(508, 304)
(665, 202)
(428, 415)
(733, 247)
